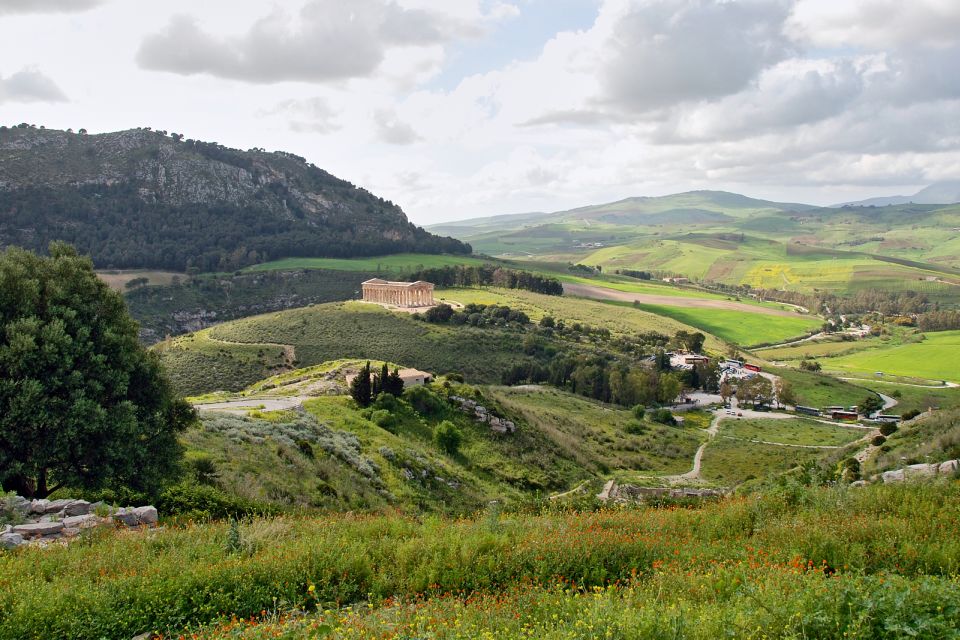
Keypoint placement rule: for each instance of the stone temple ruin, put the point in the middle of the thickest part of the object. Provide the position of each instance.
(399, 294)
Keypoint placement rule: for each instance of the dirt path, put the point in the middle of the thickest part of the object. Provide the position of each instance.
(245, 405)
(946, 384)
(604, 293)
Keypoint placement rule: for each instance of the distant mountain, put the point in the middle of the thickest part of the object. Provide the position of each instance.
(689, 208)
(938, 193)
(142, 198)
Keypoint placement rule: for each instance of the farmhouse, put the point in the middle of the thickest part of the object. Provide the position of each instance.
(400, 294)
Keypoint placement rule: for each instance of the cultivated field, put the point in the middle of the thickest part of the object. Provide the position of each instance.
(119, 279)
(738, 326)
(933, 358)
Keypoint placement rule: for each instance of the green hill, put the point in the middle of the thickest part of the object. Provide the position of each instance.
(146, 199)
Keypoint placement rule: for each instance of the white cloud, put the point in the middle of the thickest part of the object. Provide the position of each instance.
(328, 40)
(30, 85)
(392, 130)
(47, 6)
(877, 24)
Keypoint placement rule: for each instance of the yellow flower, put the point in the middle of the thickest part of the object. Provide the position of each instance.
(312, 588)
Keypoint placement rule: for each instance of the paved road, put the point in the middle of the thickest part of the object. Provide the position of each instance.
(604, 293)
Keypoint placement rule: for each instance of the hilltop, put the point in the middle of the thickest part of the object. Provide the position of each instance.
(147, 199)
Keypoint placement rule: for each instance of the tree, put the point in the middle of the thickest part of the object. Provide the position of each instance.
(757, 390)
(448, 437)
(669, 389)
(871, 404)
(783, 391)
(726, 391)
(380, 382)
(360, 387)
(82, 404)
(394, 384)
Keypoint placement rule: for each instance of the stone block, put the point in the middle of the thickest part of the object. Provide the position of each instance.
(126, 517)
(38, 529)
(147, 515)
(893, 476)
(56, 506)
(10, 540)
(39, 506)
(949, 467)
(81, 522)
(77, 508)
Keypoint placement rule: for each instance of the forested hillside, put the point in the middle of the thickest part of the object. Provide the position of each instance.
(143, 198)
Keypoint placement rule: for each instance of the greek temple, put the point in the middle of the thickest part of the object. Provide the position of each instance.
(400, 294)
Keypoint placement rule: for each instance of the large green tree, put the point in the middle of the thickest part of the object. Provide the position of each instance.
(82, 403)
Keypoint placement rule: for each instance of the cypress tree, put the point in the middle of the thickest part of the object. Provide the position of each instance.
(360, 388)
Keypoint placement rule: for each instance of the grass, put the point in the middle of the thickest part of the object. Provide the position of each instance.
(729, 462)
(327, 332)
(821, 390)
(740, 328)
(910, 397)
(118, 280)
(931, 438)
(794, 431)
(397, 263)
(825, 563)
(934, 358)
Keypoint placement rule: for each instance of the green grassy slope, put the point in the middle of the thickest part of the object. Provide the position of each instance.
(933, 358)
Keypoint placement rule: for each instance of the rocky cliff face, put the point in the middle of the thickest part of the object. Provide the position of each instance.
(178, 187)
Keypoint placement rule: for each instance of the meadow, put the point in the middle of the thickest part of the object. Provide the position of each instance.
(821, 390)
(933, 358)
(915, 398)
(794, 431)
(789, 562)
(728, 462)
(740, 328)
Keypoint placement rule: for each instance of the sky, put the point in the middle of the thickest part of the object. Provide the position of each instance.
(462, 108)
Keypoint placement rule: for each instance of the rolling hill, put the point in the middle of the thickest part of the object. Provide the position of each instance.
(146, 199)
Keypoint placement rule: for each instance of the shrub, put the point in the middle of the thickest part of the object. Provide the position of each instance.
(888, 429)
(199, 502)
(635, 428)
(305, 448)
(448, 437)
(202, 467)
(878, 441)
(910, 415)
(639, 411)
(384, 419)
(424, 400)
(663, 416)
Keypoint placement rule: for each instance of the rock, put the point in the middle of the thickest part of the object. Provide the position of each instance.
(10, 540)
(126, 517)
(77, 508)
(70, 532)
(949, 467)
(39, 506)
(21, 504)
(53, 507)
(38, 529)
(893, 476)
(147, 515)
(81, 522)
(858, 483)
(922, 469)
(5, 529)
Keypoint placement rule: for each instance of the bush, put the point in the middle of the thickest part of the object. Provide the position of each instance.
(635, 428)
(384, 419)
(878, 441)
(448, 437)
(888, 429)
(639, 411)
(425, 401)
(663, 416)
(199, 502)
(202, 467)
(910, 415)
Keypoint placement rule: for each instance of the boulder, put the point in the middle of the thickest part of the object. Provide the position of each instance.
(893, 476)
(39, 506)
(56, 506)
(81, 522)
(10, 540)
(126, 517)
(922, 469)
(5, 529)
(949, 467)
(70, 532)
(38, 529)
(147, 515)
(77, 508)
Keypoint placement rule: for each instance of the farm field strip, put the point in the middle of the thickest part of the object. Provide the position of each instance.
(935, 358)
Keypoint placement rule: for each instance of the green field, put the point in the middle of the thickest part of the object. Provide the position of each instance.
(795, 562)
(794, 431)
(596, 313)
(737, 327)
(934, 358)
(730, 462)
(910, 397)
(397, 263)
(821, 390)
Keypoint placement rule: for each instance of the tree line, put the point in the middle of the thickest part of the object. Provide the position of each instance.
(489, 275)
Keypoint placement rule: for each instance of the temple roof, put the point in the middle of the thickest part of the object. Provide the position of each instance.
(418, 283)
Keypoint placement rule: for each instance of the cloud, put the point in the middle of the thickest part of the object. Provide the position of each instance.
(312, 115)
(663, 52)
(329, 40)
(392, 130)
(877, 24)
(30, 85)
(47, 6)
